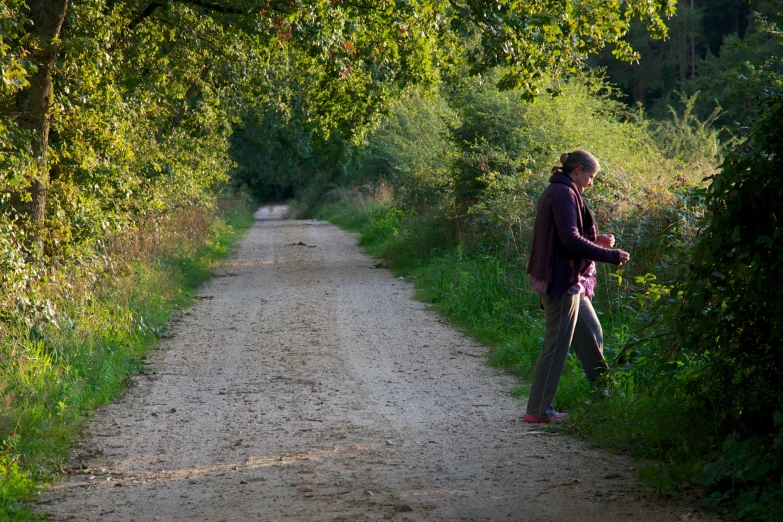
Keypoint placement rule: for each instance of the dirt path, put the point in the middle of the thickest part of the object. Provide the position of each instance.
(307, 385)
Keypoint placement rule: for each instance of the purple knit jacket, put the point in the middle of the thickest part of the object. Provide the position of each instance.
(563, 236)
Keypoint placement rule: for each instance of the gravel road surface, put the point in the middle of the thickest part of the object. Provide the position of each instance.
(306, 384)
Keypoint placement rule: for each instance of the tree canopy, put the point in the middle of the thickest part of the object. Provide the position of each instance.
(107, 100)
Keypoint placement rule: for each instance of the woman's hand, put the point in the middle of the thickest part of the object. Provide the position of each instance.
(605, 240)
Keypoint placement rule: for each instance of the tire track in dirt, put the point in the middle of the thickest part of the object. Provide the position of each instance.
(306, 385)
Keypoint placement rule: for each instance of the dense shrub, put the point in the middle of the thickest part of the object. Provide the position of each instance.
(731, 322)
(410, 149)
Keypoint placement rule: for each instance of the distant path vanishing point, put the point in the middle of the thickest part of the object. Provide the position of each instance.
(305, 384)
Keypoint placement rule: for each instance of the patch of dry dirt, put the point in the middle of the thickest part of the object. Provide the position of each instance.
(307, 385)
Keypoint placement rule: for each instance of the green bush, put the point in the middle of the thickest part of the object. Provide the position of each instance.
(731, 316)
(410, 150)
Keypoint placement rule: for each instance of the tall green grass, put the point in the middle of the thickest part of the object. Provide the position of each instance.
(53, 374)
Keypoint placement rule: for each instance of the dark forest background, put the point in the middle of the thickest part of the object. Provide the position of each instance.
(709, 42)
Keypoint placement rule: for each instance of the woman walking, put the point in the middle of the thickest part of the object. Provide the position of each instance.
(562, 263)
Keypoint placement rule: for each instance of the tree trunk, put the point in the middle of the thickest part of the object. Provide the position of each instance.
(35, 104)
(638, 86)
(693, 56)
(693, 42)
(683, 53)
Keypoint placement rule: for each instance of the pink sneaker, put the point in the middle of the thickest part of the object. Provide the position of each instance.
(534, 419)
(555, 417)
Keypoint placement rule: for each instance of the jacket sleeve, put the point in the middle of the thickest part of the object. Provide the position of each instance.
(564, 214)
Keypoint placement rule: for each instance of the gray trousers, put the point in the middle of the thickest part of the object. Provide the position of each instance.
(570, 321)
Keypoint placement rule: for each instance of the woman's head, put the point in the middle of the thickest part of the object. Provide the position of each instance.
(580, 166)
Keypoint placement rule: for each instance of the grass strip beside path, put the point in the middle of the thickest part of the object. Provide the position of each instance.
(53, 375)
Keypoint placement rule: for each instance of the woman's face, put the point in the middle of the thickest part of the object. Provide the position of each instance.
(582, 177)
